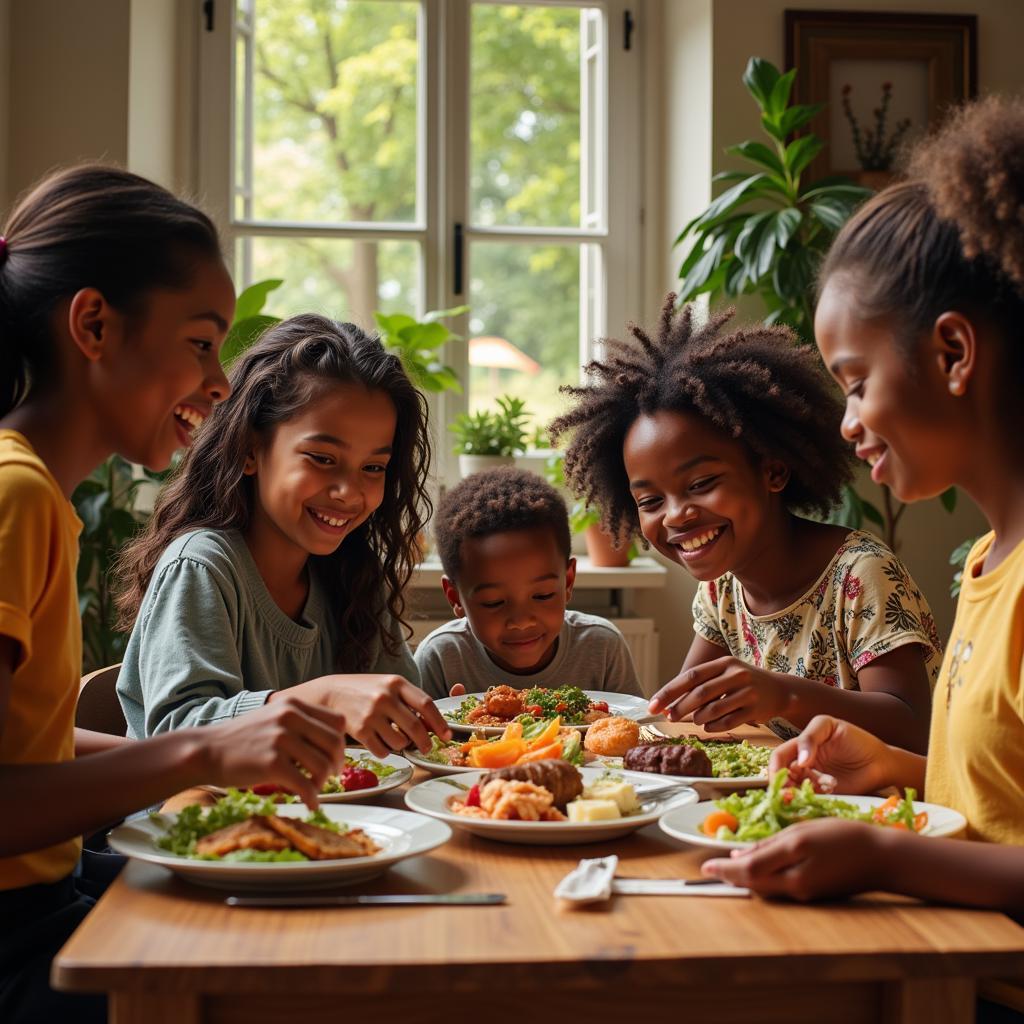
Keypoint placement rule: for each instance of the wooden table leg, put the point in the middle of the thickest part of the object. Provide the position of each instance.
(930, 1001)
(153, 1008)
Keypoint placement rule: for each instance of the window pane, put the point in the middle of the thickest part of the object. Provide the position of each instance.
(525, 323)
(340, 278)
(527, 96)
(334, 96)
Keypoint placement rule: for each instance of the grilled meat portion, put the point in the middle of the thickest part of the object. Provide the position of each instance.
(321, 843)
(251, 834)
(562, 780)
(668, 759)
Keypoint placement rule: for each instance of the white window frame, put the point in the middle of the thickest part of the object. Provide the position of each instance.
(443, 179)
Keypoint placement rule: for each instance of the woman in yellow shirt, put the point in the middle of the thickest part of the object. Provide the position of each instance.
(920, 317)
(114, 302)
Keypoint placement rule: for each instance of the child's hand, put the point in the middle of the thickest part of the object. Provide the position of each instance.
(722, 694)
(814, 860)
(835, 756)
(383, 712)
(278, 743)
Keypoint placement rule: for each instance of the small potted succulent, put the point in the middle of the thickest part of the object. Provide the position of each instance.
(490, 437)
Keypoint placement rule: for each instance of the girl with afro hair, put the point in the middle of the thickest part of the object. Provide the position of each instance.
(710, 442)
(921, 320)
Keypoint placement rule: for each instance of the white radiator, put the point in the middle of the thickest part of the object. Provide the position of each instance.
(639, 634)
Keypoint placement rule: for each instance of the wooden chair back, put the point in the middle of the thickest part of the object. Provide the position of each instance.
(98, 709)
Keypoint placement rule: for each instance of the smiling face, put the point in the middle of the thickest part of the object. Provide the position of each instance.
(900, 413)
(513, 587)
(161, 376)
(702, 500)
(321, 474)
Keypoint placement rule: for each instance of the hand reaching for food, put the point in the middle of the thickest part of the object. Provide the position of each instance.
(292, 743)
(839, 757)
(383, 712)
(722, 694)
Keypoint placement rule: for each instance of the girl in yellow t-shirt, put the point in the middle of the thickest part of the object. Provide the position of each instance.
(114, 302)
(919, 319)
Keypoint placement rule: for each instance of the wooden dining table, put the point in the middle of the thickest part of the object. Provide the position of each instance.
(168, 952)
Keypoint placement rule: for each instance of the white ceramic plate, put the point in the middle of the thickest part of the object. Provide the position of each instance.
(398, 833)
(685, 822)
(434, 767)
(431, 797)
(623, 704)
(402, 775)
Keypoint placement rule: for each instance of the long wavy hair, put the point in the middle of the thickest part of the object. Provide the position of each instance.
(291, 365)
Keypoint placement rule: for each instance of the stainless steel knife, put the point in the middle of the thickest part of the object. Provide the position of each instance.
(457, 899)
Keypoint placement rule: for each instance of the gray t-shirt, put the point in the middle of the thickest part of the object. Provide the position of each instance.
(210, 643)
(592, 655)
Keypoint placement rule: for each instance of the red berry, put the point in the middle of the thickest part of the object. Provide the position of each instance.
(473, 797)
(357, 778)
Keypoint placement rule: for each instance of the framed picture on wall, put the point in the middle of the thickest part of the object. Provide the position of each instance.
(884, 80)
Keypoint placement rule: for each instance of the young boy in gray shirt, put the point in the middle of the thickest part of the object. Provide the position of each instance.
(503, 538)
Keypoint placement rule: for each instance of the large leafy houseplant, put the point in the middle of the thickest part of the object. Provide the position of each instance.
(766, 233)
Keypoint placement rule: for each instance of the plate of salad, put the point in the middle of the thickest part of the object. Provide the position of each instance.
(742, 819)
(246, 841)
(363, 776)
(521, 741)
(490, 712)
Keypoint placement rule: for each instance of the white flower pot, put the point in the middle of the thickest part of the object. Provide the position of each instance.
(535, 460)
(469, 464)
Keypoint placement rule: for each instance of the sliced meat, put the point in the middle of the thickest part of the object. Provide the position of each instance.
(668, 759)
(251, 834)
(321, 843)
(562, 780)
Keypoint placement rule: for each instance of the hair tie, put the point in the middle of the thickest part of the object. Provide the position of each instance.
(3, 249)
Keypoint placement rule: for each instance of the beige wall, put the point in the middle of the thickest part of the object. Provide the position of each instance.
(94, 80)
(702, 47)
(68, 85)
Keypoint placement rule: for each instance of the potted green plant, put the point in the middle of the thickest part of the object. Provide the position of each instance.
(490, 437)
(601, 545)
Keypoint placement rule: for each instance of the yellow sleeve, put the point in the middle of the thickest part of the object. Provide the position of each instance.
(29, 520)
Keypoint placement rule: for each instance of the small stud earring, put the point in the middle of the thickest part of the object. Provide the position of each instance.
(956, 387)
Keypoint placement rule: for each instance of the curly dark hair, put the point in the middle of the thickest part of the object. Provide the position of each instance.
(753, 384)
(492, 502)
(290, 366)
(951, 237)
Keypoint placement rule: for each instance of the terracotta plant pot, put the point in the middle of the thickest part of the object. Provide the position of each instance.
(875, 179)
(601, 550)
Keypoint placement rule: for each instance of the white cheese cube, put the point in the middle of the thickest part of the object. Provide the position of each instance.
(622, 793)
(593, 810)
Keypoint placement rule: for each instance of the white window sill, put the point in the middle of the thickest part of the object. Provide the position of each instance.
(642, 573)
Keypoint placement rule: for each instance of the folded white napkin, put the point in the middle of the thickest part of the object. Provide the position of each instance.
(589, 881)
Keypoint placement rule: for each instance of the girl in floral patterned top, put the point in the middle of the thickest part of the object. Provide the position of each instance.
(709, 443)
